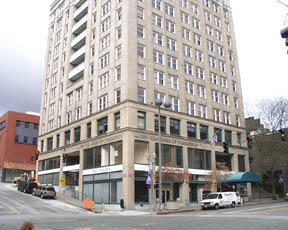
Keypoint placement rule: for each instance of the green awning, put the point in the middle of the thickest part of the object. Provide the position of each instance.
(242, 177)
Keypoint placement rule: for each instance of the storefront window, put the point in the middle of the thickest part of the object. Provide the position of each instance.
(141, 191)
(88, 158)
(199, 159)
(116, 191)
(52, 178)
(103, 155)
(52, 163)
(87, 191)
(179, 156)
(101, 193)
(170, 154)
(141, 148)
(101, 189)
(224, 158)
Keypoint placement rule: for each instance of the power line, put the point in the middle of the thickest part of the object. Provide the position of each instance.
(282, 3)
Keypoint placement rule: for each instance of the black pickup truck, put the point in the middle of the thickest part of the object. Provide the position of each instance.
(26, 186)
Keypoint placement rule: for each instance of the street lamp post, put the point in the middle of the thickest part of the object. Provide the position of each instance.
(166, 105)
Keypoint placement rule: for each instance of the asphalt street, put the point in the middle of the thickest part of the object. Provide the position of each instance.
(52, 214)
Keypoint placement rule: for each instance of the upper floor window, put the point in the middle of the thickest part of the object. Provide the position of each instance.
(141, 117)
(103, 102)
(204, 132)
(157, 20)
(162, 124)
(102, 126)
(105, 24)
(106, 7)
(140, 12)
(141, 95)
(174, 126)
(191, 130)
(173, 82)
(157, 4)
(169, 10)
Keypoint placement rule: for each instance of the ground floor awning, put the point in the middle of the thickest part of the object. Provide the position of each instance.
(242, 177)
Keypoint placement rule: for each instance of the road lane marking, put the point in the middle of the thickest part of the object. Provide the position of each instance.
(81, 228)
(10, 207)
(7, 212)
(271, 210)
(147, 224)
(255, 209)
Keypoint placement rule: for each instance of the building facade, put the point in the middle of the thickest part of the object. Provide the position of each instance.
(18, 143)
(106, 64)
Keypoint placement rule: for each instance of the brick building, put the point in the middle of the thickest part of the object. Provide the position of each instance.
(18, 142)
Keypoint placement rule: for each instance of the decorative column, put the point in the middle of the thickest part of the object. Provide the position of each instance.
(128, 181)
(81, 162)
(184, 195)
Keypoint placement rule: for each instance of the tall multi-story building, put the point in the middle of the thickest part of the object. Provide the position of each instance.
(107, 61)
(18, 143)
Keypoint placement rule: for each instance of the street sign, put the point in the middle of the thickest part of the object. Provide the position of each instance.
(281, 179)
(62, 181)
(88, 202)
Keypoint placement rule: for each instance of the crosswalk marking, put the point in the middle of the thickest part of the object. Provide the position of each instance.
(82, 229)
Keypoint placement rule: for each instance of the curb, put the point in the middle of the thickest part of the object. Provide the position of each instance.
(176, 211)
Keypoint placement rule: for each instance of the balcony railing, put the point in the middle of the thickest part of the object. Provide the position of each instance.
(77, 72)
(79, 3)
(79, 41)
(81, 12)
(80, 26)
(78, 57)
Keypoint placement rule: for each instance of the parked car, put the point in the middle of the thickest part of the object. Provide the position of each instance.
(44, 191)
(26, 186)
(220, 199)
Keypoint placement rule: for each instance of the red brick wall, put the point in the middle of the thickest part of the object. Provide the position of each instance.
(12, 154)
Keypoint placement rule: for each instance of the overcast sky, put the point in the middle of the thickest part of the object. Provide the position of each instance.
(262, 53)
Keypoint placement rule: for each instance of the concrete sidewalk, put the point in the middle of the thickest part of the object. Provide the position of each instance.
(116, 210)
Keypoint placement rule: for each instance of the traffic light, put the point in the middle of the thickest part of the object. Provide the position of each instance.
(65, 157)
(225, 147)
(284, 34)
(249, 142)
(282, 135)
(37, 152)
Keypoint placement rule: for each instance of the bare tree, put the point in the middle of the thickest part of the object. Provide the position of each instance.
(171, 173)
(274, 113)
(269, 152)
(215, 177)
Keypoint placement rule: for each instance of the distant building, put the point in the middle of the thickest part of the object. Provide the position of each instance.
(254, 126)
(18, 142)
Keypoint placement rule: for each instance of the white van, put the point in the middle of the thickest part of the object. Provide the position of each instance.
(220, 199)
